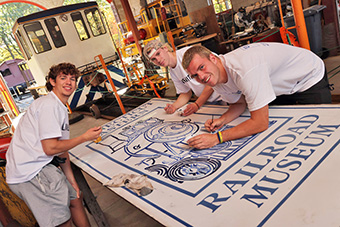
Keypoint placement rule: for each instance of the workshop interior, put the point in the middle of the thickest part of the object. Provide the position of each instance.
(105, 41)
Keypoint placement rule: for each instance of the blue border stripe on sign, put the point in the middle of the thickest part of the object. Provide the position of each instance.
(141, 198)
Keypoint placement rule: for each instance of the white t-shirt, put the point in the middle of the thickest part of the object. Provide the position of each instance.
(46, 118)
(262, 71)
(184, 83)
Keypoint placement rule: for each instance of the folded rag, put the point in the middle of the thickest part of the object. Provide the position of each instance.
(137, 183)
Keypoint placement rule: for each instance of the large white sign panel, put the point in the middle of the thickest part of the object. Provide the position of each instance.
(287, 175)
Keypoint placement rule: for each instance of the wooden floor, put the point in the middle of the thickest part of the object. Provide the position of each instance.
(117, 210)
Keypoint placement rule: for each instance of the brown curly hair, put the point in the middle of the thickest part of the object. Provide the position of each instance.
(55, 70)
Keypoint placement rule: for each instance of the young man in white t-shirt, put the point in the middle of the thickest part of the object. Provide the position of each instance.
(255, 76)
(162, 55)
(39, 145)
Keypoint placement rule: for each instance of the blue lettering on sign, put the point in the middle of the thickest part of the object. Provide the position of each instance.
(259, 196)
(282, 170)
(211, 204)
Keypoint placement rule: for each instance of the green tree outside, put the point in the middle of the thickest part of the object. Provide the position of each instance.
(8, 14)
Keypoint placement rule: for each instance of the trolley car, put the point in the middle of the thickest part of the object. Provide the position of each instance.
(73, 33)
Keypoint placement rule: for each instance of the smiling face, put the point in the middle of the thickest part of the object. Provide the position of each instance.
(204, 70)
(63, 86)
(161, 57)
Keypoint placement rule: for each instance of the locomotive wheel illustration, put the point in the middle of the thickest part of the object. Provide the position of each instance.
(190, 169)
(171, 131)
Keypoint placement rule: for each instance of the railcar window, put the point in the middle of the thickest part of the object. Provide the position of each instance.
(6, 72)
(79, 24)
(37, 37)
(24, 45)
(55, 32)
(95, 21)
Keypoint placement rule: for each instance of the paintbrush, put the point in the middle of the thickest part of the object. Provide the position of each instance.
(212, 121)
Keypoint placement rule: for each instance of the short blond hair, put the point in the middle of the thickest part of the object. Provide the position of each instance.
(190, 53)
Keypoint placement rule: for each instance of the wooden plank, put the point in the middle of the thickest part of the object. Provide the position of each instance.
(89, 199)
(15, 211)
(5, 216)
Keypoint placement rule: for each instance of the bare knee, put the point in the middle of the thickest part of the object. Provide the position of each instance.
(78, 213)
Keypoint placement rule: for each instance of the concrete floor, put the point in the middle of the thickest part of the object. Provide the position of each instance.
(117, 210)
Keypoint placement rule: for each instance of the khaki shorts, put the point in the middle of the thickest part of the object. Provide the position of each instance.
(48, 196)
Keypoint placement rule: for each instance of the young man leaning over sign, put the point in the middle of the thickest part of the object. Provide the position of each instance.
(162, 55)
(39, 145)
(254, 76)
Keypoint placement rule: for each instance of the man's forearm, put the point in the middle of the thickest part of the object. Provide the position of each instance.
(206, 93)
(258, 122)
(182, 99)
(66, 167)
(54, 146)
(233, 112)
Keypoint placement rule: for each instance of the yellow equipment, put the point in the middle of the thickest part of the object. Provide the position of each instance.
(140, 84)
(155, 18)
(12, 207)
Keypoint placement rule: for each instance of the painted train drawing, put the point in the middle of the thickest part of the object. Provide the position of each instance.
(73, 33)
(159, 146)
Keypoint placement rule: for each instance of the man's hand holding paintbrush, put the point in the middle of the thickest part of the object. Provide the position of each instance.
(207, 140)
(212, 124)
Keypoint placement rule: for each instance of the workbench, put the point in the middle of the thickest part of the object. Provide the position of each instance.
(268, 35)
(284, 176)
(199, 40)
